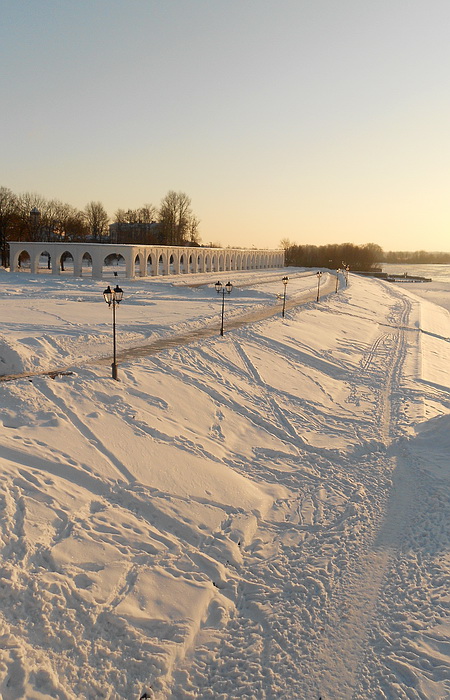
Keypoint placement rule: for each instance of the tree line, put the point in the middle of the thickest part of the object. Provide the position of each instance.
(333, 256)
(363, 257)
(31, 217)
(417, 257)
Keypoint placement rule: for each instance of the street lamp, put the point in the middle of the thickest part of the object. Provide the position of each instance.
(221, 288)
(319, 275)
(285, 280)
(337, 279)
(113, 297)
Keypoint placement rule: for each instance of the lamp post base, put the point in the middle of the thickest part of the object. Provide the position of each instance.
(114, 371)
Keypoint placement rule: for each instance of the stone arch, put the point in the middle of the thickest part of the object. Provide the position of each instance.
(158, 257)
(176, 268)
(21, 261)
(86, 265)
(44, 261)
(163, 264)
(113, 265)
(64, 262)
(139, 266)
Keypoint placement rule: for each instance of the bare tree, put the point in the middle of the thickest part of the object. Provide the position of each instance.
(30, 216)
(8, 208)
(32, 211)
(97, 220)
(136, 225)
(193, 234)
(285, 243)
(68, 222)
(120, 216)
(144, 215)
(147, 214)
(175, 216)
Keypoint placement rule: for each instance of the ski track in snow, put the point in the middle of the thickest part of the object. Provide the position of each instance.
(304, 599)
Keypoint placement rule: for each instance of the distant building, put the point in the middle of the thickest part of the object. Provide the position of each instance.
(140, 233)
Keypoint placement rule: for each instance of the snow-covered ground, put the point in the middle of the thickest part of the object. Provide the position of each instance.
(263, 515)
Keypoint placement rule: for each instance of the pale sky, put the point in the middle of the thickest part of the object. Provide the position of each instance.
(321, 121)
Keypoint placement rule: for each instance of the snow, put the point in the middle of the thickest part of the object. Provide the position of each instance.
(260, 515)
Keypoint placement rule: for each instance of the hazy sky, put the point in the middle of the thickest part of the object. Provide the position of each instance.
(321, 121)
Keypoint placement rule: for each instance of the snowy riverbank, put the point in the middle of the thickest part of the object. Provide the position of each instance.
(263, 515)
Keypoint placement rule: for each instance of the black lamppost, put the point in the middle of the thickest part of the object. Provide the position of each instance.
(319, 275)
(221, 288)
(113, 297)
(285, 280)
(337, 279)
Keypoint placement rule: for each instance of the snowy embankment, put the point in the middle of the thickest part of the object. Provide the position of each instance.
(263, 515)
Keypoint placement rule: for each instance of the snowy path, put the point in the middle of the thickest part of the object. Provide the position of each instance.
(342, 654)
(207, 329)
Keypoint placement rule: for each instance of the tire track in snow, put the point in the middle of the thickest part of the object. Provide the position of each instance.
(374, 351)
(412, 649)
(342, 648)
(306, 411)
(85, 431)
(267, 638)
(276, 410)
(253, 416)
